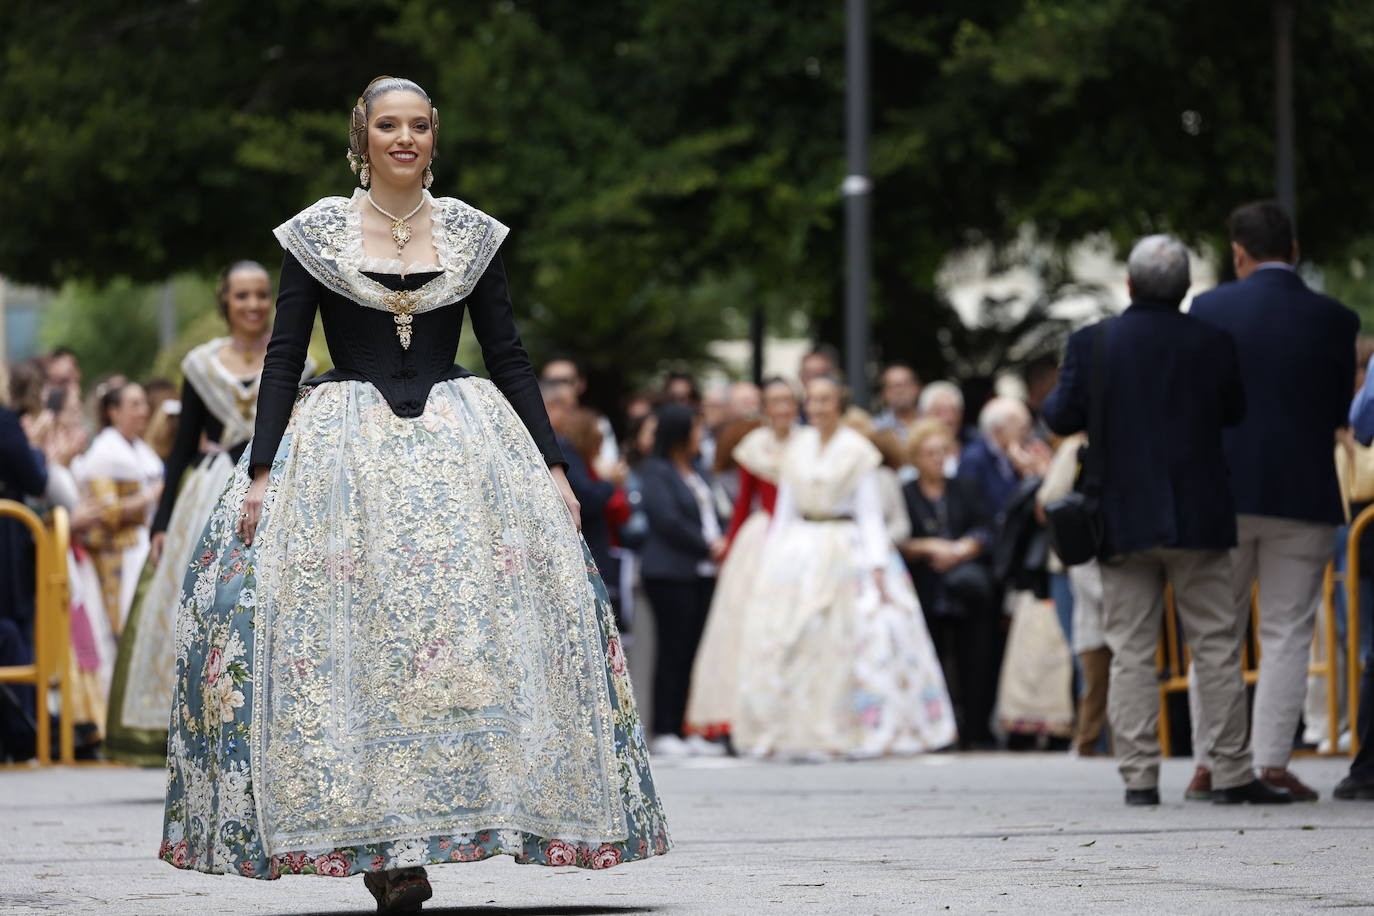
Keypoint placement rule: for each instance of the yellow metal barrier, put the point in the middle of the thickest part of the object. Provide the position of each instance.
(51, 627)
(1352, 616)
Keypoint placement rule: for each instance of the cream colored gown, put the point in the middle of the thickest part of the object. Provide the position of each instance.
(830, 664)
(715, 673)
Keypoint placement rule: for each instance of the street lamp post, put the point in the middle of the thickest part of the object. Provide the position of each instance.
(856, 189)
(1284, 183)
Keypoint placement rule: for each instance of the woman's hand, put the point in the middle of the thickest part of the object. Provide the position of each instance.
(252, 506)
(155, 546)
(560, 478)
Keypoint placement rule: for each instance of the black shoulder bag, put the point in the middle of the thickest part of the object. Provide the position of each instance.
(1075, 520)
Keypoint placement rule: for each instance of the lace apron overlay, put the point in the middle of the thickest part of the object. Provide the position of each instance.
(415, 663)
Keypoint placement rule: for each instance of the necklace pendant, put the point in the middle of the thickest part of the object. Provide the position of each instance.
(400, 233)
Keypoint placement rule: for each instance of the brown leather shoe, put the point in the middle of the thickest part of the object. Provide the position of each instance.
(1282, 778)
(1200, 789)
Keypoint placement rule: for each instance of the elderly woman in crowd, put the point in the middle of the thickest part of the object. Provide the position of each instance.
(951, 532)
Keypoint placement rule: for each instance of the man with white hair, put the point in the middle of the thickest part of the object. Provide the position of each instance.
(1167, 383)
(996, 461)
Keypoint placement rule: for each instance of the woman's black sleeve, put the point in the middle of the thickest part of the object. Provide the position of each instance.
(493, 320)
(297, 301)
(190, 423)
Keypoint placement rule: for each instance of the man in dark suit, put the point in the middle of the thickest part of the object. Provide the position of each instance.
(1170, 383)
(1297, 359)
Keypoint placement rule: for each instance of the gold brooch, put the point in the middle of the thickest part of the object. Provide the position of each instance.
(402, 304)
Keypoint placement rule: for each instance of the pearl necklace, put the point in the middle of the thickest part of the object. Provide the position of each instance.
(400, 229)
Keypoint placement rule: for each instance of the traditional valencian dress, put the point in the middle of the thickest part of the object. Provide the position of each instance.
(219, 408)
(110, 471)
(829, 664)
(715, 673)
(416, 661)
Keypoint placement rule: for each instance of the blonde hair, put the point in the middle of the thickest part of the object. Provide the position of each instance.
(923, 430)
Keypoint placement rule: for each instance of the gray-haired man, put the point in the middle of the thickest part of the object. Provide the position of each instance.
(1170, 383)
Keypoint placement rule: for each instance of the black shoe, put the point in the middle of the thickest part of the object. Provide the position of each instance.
(1352, 789)
(1142, 797)
(1253, 792)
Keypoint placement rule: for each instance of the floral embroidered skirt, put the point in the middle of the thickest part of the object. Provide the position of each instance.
(415, 663)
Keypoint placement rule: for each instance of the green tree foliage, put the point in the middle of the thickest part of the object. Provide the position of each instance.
(113, 328)
(666, 167)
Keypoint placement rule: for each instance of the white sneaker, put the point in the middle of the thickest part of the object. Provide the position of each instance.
(698, 746)
(669, 745)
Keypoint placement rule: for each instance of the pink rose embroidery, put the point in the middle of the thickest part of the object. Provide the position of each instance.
(207, 558)
(334, 865)
(378, 863)
(247, 869)
(560, 853)
(214, 666)
(616, 656)
(179, 854)
(294, 861)
(164, 849)
(605, 857)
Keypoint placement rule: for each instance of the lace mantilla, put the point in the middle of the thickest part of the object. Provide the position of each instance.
(327, 238)
(230, 401)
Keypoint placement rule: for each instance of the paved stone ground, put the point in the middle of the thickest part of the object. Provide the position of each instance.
(986, 833)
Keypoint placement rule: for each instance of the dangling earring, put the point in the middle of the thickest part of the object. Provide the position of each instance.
(429, 177)
(365, 174)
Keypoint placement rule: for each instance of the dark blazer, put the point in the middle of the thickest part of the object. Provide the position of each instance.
(674, 546)
(23, 472)
(1297, 359)
(1170, 386)
(991, 472)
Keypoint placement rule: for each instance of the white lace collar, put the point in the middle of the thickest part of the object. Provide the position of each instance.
(327, 238)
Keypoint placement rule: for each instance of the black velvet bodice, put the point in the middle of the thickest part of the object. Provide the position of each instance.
(364, 346)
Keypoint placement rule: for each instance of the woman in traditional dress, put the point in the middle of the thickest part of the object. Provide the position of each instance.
(393, 648)
(836, 658)
(124, 476)
(218, 401)
(715, 675)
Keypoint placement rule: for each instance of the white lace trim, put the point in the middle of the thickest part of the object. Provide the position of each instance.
(327, 238)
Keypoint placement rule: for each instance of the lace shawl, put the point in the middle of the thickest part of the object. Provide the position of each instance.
(327, 238)
(225, 396)
(760, 453)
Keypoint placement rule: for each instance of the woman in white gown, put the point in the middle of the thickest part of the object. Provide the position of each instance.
(123, 475)
(715, 673)
(836, 660)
